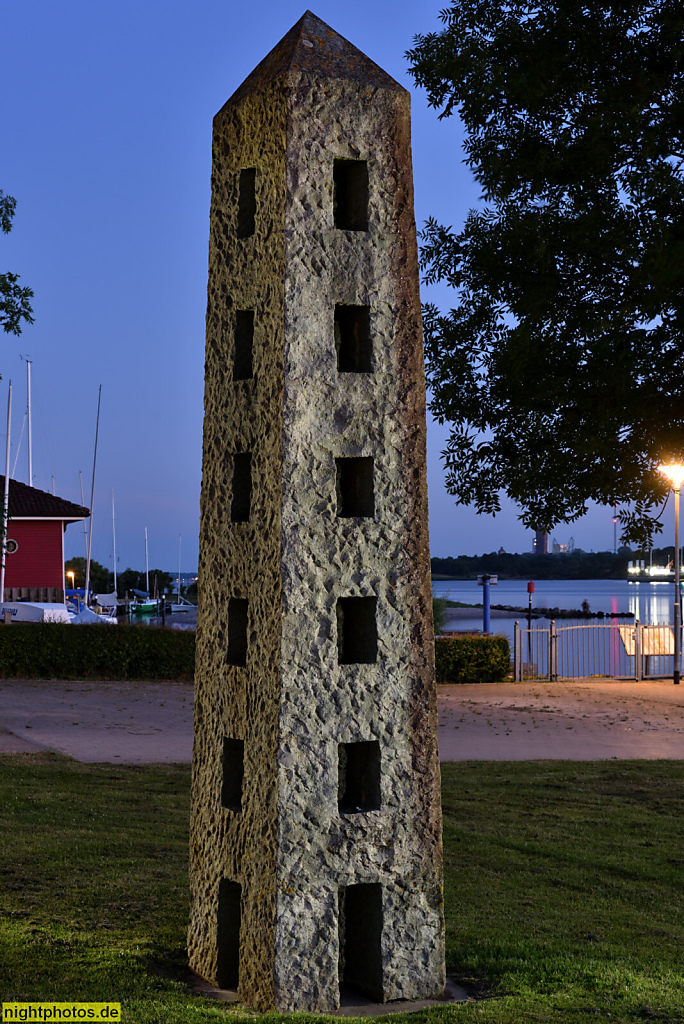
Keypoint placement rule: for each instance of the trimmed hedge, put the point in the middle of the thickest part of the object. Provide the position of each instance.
(53, 650)
(47, 650)
(472, 659)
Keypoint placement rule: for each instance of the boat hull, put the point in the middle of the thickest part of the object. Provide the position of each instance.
(33, 611)
(144, 608)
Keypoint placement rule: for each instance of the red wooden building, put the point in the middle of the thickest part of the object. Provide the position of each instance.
(34, 567)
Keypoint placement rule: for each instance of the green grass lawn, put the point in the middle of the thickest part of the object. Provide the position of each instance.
(564, 890)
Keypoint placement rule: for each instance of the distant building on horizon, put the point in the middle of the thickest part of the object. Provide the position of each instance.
(563, 549)
(541, 543)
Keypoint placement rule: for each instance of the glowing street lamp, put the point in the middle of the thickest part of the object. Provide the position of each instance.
(674, 472)
(72, 574)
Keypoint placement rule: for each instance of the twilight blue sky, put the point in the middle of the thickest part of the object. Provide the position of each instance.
(106, 145)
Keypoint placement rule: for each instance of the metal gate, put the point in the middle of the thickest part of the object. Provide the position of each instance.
(585, 650)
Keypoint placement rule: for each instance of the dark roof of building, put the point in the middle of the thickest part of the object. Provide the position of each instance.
(315, 48)
(29, 503)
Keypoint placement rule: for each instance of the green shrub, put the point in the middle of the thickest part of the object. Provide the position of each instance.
(439, 607)
(470, 658)
(59, 651)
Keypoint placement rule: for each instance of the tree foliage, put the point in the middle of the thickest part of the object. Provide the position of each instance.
(163, 581)
(560, 366)
(134, 579)
(101, 579)
(575, 565)
(15, 301)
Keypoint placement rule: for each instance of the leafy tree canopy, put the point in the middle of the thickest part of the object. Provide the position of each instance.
(561, 365)
(101, 579)
(134, 579)
(164, 581)
(15, 304)
(576, 565)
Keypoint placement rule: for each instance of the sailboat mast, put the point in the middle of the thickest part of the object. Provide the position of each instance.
(147, 568)
(30, 434)
(114, 539)
(92, 497)
(5, 503)
(180, 537)
(85, 528)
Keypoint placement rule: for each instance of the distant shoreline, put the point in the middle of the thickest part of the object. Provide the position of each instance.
(521, 579)
(573, 564)
(457, 609)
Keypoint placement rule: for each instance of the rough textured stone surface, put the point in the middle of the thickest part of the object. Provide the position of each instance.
(289, 847)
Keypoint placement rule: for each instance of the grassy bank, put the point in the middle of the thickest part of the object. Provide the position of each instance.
(563, 890)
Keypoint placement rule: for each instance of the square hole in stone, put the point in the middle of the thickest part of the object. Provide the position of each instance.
(241, 503)
(353, 339)
(360, 935)
(355, 486)
(350, 195)
(246, 202)
(237, 631)
(228, 933)
(357, 635)
(358, 779)
(233, 773)
(244, 345)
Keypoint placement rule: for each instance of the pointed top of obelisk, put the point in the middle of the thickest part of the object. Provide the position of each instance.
(313, 47)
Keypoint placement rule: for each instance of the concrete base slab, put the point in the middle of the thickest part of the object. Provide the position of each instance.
(353, 1004)
(203, 988)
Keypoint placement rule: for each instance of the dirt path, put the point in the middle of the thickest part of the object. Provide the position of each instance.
(579, 720)
(125, 723)
(139, 723)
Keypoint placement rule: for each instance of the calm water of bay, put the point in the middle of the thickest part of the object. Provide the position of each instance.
(650, 602)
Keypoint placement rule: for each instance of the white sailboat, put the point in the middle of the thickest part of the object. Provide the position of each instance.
(109, 603)
(143, 604)
(181, 604)
(84, 615)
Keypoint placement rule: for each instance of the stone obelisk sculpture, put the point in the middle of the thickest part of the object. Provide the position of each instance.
(316, 857)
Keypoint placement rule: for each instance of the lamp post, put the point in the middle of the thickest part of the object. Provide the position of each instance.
(72, 574)
(674, 472)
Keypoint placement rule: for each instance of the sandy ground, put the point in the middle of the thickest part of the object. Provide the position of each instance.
(577, 720)
(126, 723)
(139, 723)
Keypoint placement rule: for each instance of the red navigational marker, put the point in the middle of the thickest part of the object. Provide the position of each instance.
(530, 588)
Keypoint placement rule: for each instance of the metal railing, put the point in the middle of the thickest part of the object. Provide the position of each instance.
(584, 650)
